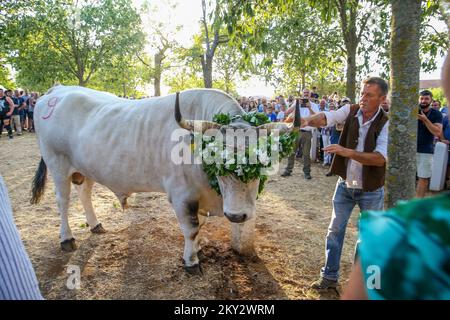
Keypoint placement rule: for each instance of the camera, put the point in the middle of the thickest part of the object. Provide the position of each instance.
(304, 102)
(420, 109)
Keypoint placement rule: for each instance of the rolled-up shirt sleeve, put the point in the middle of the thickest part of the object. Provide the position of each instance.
(382, 141)
(337, 116)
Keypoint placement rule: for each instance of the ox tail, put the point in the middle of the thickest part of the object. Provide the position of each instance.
(38, 186)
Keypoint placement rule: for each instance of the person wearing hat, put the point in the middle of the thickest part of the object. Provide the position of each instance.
(359, 161)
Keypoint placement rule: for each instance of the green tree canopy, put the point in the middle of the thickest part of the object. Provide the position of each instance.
(55, 40)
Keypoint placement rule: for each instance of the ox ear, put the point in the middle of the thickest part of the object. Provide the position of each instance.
(190, 124)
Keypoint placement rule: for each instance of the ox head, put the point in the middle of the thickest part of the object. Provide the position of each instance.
(239, 198)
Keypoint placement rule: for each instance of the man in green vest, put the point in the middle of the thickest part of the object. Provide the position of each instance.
(359, 161)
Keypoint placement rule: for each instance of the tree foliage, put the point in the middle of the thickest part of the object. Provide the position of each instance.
(5, 74)
(405, 73)
(55, 40)
(161, 33)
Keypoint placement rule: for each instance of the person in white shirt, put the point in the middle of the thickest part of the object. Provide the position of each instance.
(326, 138)
(307, 109)
(281, 114)
(17, 277)
(360, 161)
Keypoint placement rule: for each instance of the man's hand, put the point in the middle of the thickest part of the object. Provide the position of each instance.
(365, 158)
(434, 128)
(421, 116)
(339, 150)
(303, 121)
(289, 119)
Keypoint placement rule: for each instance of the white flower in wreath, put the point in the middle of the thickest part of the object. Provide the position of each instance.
(274, 147)
(264, 159)
(230, 161)
(275, 138)
(206, 154)
(242, 160)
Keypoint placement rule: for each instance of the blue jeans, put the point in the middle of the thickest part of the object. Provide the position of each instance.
(344, 200)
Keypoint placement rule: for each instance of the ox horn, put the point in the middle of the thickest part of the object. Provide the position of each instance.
(190, 124)
(283, 127)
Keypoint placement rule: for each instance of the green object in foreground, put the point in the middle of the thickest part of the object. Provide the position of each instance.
(409, 246)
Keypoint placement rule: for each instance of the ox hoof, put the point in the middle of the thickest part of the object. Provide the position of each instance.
(195, 270)
(98, 229)
(69, 245)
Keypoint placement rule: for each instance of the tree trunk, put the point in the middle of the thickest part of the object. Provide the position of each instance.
(80, 76)
(405, 77)
(80, 73)
(350, 87)
(322, 84)
(207, 70)
(351, 45)
(157, 75)
(227, 78)
(303, 86)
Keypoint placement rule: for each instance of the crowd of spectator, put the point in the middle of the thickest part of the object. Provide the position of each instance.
(16, 111)
(280, 109)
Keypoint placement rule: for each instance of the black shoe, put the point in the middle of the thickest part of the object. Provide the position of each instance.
(286, 174)
(328, 174)
(324, 283)
(11, 137)
(308, 176)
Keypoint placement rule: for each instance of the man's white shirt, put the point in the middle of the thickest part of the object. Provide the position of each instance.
(354, 168)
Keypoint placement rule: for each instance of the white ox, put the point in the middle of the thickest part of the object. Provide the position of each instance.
(87, 136)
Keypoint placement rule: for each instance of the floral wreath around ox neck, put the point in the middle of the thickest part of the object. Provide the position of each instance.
(268, 150)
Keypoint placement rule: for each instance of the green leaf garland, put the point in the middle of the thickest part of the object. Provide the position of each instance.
(242, 169)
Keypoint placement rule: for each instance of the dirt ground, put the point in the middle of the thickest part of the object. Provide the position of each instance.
(140, 257)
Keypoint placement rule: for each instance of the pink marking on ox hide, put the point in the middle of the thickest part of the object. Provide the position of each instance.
(51, 107)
